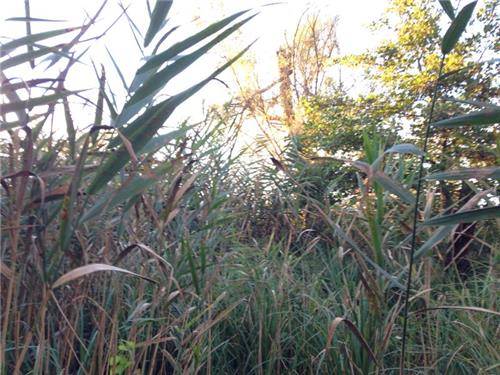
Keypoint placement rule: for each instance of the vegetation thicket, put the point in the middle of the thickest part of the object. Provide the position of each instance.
(367, 244)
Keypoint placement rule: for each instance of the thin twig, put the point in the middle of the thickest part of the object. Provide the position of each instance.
(28, 29)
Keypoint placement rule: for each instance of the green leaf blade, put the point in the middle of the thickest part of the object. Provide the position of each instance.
(181, 46)
(478, 118)
(155, 83)
(405, 148)
(137, 185)
(457, 27)
(466, 216)
(10, 46)
(25, 57)
(159, 14)
(145, 127)
(466, 174)
(448, 8)
(394, 187)
(34, 102)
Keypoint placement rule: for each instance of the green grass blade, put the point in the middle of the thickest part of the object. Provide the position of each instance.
(111, 107)
(33, 19)
(69, 201)
(70, 129)
(163, 38)
(405, 148)
(28, 29)
(438, 236)
(140, 78)
(100, 102)
(158, 142)
(192, 266)
(118, 70)
(137, 125)
(341, 234)
(6, 87)
(16, 124)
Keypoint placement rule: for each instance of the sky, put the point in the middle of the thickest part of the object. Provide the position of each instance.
(269, 28)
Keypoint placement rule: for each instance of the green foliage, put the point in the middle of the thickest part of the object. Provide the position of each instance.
(335, 123)
(123, 360)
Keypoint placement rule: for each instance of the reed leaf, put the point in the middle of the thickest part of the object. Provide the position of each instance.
(158, 16)
(457, 27)
(448, 8)
(484, 117)
(10, 46)
(183, 45)
(466, 174)
(143, 129)
(91, 268)
(466, 216)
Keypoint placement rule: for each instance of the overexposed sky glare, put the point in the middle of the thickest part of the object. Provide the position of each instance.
(269, 27)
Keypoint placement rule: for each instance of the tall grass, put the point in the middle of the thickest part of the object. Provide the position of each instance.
(127, 249)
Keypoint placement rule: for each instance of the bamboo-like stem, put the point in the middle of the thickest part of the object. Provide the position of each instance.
(415, 218)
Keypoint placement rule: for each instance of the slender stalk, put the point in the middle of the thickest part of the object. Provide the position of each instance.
(28, 29)
(415, 219)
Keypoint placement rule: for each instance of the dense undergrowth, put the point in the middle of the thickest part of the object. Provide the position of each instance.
(237, 266)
